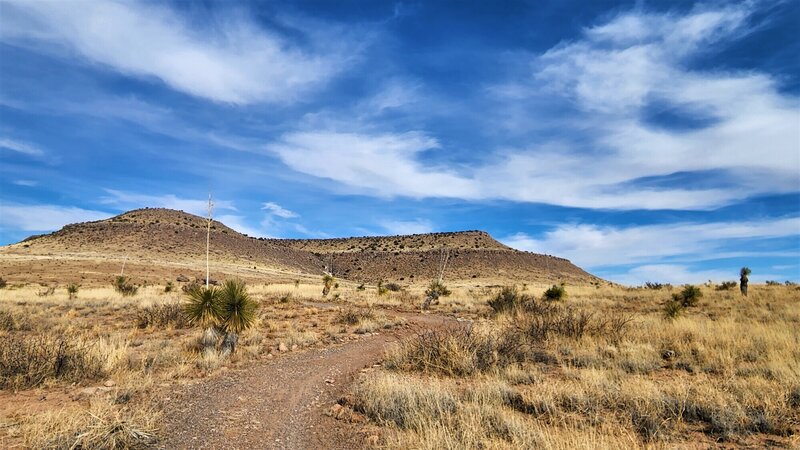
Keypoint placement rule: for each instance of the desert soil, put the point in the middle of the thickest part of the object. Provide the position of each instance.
(281, 403)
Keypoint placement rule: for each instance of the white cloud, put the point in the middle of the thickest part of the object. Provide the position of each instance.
(674, 274)
(25, 148)
(130, 200)
(239, 224)
(381, 164)
(609, 75)
(275, 209)
(232, 61)
(418, 226)
(44, 217)
(595, 246)
(26, 183)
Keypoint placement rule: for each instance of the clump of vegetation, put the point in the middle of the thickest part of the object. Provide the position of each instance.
(508, 299)
(28, 360)
(327, 283)
(352, 316)
(46, 292)
(435, 290)
(773, 283)
(726, 286)
(382, 290)
(227, 311)
(673, 309)
(689, 296)
(361, 287)
(104, 426)
(393, 287)
(162, 316)
(169, 287)
(125, 286)
(653, 285)
(13, 322)
(3, 283)
(555, 292)
(72, 290)
(744, 279)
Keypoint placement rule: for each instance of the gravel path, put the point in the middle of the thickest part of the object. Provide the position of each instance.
(279, 403)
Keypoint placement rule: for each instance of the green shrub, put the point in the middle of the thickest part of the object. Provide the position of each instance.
(673, 309)
(555, 293)
(72, 290)
(381, 288)
(169, 287)
(689, 296)
(652, 285)
(726, 285)
(124, 286)
(508, 298)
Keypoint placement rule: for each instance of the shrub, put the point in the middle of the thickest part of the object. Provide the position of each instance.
(46, 292)
(689, 296)
(162, 316)
(726, 285)
(394, 287)
(353, 316)
(8, 322)
(435, 290)
(652, 285)
(508, 299)
(381, 288)
(327, 282)
(124, 286)
(27, 361)
(555, 293)
(673, 309)
(72, 290)
(3, 283)
(169, 287)
(773, 283)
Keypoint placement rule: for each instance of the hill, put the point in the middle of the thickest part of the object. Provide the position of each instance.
(158, 244)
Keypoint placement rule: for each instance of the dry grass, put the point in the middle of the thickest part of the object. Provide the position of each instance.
(605, 369)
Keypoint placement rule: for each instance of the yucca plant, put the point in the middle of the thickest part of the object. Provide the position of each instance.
(72, 290)
(238, 313)
(203, 308)
(744, 279)
(327, 283)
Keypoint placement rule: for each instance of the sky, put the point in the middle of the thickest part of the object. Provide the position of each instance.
(644, 141)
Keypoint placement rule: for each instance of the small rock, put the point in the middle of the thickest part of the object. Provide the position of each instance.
(294, 347)
(282, 348)
(373, 440)
(109, 383)
(334, 411)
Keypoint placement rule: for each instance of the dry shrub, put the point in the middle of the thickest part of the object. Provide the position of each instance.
(508, 299)
(13, 322)
(352, 316)
(104, 426)
(459, 352)
(162, 316)
(27, 361)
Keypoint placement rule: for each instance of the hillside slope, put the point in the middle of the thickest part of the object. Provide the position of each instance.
(156, 244)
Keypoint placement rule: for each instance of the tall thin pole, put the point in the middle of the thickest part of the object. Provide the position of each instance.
(208, 235)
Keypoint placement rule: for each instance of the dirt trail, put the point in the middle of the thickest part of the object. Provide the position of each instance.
(280, 403)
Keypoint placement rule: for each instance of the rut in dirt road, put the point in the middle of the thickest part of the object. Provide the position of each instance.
(279, 404)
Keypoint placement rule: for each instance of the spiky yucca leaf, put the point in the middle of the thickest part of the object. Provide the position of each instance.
(203, 306)
(238, 309)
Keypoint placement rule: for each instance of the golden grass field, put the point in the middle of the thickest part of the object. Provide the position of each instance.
(602, 368)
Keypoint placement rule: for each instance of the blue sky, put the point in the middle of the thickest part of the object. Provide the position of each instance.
(642, 140)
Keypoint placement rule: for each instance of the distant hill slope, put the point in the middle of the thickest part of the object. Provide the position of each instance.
(159, 243)
(472, 255)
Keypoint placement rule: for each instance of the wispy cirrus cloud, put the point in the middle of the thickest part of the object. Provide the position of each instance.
(26, 148)
(592, 246)
(42, 217)
(233, 60)
(131, 200)
(275, 209)
(641, 112)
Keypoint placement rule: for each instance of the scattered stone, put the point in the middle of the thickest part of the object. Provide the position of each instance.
(182, 279)
(373, 440)
(294, 347)
(109, 383)
(283, 348)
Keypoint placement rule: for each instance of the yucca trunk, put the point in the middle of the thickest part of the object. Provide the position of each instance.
(210, 338)
(229, 344)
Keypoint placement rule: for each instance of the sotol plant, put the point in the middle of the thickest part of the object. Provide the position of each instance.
(327, 283)
(203, 309)
(744, 275)
(238, 313)
(72, 290)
